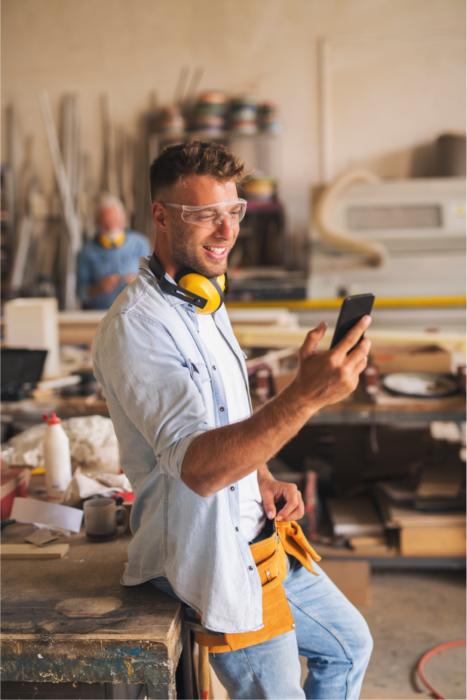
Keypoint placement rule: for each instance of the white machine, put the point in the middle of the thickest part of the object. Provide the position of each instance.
(395, 238)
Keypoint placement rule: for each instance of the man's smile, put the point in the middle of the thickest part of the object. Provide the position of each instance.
(216, 252)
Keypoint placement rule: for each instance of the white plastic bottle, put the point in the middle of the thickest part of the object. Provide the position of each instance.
(57, 459)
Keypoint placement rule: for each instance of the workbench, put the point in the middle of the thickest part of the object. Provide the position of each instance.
(357, 409)
(70, 620)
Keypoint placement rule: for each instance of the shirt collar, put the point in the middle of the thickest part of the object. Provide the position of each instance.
(173, 301)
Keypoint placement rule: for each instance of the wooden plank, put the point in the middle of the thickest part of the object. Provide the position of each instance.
(354, 517)
(437, 482)
(366, 541)
(405, 516)
(279, 337)
(69, 213)
(31, 551)
(442, 541)
(60, 174)
(110, 161)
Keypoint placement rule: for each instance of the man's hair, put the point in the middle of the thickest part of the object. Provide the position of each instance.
(106, 201)
(193, 158)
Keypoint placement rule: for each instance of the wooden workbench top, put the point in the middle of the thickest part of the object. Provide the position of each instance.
(81, 594)
(70, 619)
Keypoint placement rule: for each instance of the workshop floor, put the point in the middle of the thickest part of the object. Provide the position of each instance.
(412, 612)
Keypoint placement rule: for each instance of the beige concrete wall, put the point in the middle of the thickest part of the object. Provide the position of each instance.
(396, 70)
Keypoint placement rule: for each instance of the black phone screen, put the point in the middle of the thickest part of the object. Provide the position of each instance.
(352, 310)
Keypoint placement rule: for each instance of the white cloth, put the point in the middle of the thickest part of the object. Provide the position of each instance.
(252, 515)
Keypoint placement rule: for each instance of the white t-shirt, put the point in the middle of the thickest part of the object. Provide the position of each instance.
(252, 515)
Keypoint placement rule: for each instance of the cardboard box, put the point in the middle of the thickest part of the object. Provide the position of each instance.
(14, 482)
(428, 358)
(352, 578)
(433, 542)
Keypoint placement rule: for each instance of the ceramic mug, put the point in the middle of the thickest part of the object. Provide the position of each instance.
(100, 519)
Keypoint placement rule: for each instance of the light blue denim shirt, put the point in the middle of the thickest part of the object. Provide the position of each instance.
(95, 262)
(163, 390)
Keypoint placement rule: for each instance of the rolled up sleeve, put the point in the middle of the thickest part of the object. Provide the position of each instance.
(147, 379)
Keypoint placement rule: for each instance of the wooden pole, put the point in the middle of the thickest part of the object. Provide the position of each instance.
(69, 215)
(203, 672)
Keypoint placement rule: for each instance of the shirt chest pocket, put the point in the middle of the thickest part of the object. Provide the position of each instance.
(199, 373)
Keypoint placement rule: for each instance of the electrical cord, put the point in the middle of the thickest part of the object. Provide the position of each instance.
(427, 656)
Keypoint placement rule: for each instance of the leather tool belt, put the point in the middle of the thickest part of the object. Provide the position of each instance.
(270, 556)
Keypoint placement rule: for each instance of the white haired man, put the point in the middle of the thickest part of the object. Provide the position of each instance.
(110, 261)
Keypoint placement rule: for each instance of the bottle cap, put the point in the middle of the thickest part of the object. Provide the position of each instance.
(53, 420)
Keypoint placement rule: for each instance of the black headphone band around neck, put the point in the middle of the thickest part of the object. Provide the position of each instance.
(173, 289)
(182, 293)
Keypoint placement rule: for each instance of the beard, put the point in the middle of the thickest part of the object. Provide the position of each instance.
(186, 252)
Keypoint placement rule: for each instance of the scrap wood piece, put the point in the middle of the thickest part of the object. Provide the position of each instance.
(396, 516)
(110, 159)
(353, 517)
(367, 541)
(60, 173)
(181, 85)
(31, 551)
(433, 541)
(440, 480)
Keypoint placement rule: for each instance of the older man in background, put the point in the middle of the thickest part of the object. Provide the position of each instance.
(111, 260)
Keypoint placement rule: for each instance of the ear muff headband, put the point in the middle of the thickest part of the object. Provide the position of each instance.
(207, 294)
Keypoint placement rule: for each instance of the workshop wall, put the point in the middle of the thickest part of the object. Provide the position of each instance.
(394, 73)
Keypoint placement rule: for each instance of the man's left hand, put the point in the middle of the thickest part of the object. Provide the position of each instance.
(273, 491)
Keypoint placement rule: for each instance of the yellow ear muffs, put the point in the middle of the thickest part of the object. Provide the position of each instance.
(212, 289)
(108, 242)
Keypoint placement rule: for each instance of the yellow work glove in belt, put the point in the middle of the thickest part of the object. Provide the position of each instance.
(271, 561)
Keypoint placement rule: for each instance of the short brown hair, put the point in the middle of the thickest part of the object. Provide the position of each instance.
(193, 158)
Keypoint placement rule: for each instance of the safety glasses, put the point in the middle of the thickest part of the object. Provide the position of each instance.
(212, 215)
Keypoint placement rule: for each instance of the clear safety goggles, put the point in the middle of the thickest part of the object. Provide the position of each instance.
(212, 215)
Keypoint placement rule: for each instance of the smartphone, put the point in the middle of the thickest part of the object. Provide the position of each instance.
(352, 310)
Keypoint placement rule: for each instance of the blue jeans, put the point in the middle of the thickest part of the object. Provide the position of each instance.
(330, 633)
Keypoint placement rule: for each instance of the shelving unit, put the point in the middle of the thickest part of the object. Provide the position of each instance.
(260, 151)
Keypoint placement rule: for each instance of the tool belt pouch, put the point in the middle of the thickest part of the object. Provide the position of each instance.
(270, 556)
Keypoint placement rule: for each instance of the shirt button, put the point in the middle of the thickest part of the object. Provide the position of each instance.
(232, 488)
(214, 367)
(236, 529)
(221, 408)
(251, 568)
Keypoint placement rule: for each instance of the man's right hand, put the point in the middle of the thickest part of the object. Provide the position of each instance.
(105, 285)
(329, 377)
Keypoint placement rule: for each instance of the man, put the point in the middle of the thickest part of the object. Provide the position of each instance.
(111, 261)
(176, 387)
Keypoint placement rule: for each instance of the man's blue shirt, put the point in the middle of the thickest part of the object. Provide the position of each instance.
(163, 390)
(96, 262)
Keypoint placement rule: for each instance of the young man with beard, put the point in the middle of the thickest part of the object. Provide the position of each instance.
(205, 502)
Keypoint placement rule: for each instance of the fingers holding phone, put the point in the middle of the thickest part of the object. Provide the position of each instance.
(354, 339)
(331, 376)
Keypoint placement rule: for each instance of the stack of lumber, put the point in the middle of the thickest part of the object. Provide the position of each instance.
(354, 517)
(431, 517)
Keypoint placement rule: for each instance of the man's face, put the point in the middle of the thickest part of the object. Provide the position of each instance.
(204, 250)
(110, 220)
